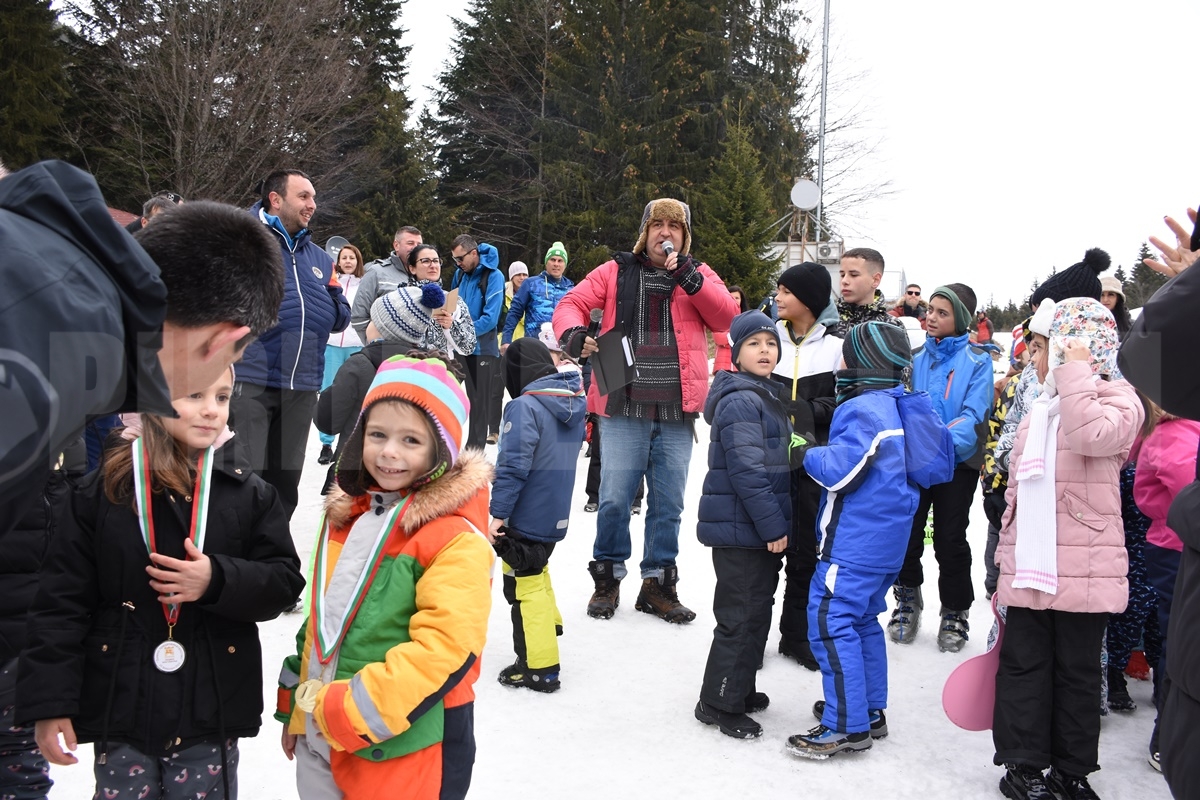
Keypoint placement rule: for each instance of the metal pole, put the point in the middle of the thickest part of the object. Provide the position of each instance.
(821, 137)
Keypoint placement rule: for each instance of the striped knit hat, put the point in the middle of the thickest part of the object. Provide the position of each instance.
(428, 385)
(877, 356)
(404, 314)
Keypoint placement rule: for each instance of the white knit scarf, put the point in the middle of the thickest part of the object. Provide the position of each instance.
(1037, 523)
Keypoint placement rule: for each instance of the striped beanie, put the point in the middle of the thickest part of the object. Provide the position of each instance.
(877, 356)
(404, 314)
(428, 385)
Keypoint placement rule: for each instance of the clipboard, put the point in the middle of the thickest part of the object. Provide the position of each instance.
(612, 364)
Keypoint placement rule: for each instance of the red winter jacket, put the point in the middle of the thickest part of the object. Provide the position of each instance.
(712, 307)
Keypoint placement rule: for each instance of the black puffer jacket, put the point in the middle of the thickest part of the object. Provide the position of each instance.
(23, 548)
(96, 621)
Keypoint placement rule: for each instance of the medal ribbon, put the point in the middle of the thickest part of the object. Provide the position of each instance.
(143, 489)
(328, 632)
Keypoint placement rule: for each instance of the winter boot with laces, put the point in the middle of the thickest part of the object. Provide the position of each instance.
(658, 597)
(821, 742)
(1069, 787)
(1023, 782)
(875, 715)
(906, 616)
(607, 596)
(953, 634)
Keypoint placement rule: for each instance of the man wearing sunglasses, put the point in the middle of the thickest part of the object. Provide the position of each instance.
(911, 305)
(480, 285)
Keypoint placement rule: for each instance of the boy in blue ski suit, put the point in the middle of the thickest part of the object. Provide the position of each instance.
(540, 435)
(885, 443)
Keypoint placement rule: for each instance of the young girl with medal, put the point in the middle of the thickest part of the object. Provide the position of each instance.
(142, 638)
(378, 700)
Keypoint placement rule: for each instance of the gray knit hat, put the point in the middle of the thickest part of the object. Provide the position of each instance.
(404, 314)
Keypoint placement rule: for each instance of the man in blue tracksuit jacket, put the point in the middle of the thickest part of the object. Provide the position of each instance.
(480, 285)
(535, 475)
(538, 296)
(885, 443)
(958, 377)
(280, 373)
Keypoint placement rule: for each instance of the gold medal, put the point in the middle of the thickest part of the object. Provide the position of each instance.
(306, 695)
(169, 656)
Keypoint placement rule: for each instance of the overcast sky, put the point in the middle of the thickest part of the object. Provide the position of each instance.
(1014, 136)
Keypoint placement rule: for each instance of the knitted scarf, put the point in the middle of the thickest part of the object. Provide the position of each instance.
(1037, 520)
(657, 392)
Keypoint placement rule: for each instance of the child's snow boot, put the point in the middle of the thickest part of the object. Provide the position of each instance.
(607, 596)
(1118, 691)
(820, 743)
(953, 635)
(739, 726)
(875, 715)
(658, 597)
(1023, 782)
(906, 616)
(1069, 787)
(540, 680)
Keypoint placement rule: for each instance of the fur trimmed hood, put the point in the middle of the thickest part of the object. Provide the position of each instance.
(445, 496)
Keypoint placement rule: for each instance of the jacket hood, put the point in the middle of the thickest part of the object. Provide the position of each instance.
(276, 226)
(56, 193)
(726, 383)
(443, 497)
(561, 393)
(941, 349)
(829, 316)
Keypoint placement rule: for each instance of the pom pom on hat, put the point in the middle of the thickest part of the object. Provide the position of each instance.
(404, 314)
(1078, 280)
(428, 385)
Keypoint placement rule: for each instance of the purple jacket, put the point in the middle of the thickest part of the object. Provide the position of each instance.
(1099, 422)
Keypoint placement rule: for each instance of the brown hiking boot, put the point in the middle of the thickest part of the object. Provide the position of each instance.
(658, 597)
(607, 596)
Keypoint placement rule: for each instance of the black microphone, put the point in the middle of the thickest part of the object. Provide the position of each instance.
(593, 329)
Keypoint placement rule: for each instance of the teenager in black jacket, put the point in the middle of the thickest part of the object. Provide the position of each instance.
(165, 695)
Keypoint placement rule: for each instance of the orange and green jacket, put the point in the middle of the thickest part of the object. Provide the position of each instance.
(398, 713)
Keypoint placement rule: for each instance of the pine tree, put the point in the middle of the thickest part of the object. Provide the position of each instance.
(1119, 274)
(32, 83)
(1143, 281)
(732, 218)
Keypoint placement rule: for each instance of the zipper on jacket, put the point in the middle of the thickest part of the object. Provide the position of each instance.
(300, 345)
(112, 684)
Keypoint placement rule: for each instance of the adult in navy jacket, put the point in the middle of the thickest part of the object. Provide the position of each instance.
(278, 378)
(480, 285)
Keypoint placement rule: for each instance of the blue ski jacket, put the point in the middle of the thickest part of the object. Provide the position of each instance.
(292, 354)
(958, 377)
(535, 300)
(482, 289)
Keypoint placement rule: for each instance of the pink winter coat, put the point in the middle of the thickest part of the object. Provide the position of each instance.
(1166, 464)
(1098, 425)
(712, 307)
(722, 352)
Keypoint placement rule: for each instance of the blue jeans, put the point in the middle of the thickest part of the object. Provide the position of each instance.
(632, 449)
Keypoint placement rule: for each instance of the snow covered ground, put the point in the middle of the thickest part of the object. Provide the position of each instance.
(622, 724)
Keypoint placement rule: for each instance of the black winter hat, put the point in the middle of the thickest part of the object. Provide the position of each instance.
(747, 324)
(525, 361)
(810, 283)
(1077, 280)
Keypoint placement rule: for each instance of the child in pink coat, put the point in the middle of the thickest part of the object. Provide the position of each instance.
(1166, 464)
(1062, 553)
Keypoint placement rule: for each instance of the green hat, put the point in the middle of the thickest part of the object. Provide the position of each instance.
(962, 316)
(556, 249)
